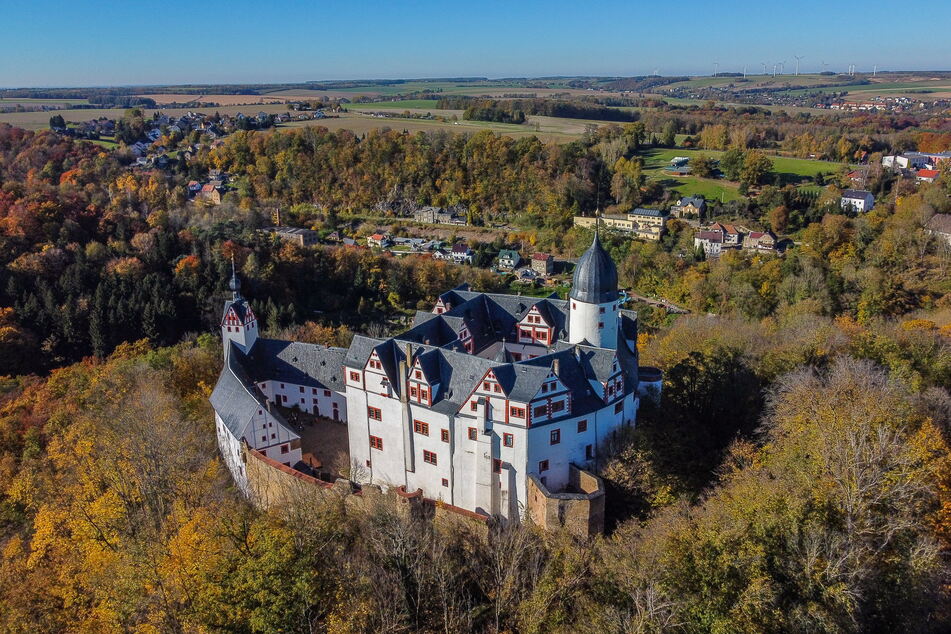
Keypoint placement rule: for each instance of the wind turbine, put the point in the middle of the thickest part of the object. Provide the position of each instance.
(716, 67)
(874, 70)
(798, 59)
(744, 71)
(774, 69)
(764, 67)
(782, 67)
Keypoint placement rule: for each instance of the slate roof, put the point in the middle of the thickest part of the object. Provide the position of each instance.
(236, 396)
(299, 363)
(696, 201)
(595, 277)
(857, 194)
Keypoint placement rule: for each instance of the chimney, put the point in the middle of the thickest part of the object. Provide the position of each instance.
(555, 366)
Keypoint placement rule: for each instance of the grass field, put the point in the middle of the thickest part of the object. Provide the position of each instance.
(405, 104)
(23, 101)
(792, 170)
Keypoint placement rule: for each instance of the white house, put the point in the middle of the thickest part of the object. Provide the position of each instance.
(857, 200)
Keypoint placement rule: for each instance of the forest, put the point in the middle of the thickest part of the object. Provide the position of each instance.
(794, 478)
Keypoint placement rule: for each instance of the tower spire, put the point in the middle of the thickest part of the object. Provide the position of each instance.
(235, 284)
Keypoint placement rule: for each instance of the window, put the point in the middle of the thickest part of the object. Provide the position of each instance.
(315, 401)
(376, 443)
(601, 310)
(474, 405)
(374, 413)
(543, 466)
(540, 411)
(282, 386)
(303, 400)
(582, 426)
(544, 387)
(524, 332)
(557, 406)
(498, 388)
(419, 374)
(542, 335)
(354, 376)
(508, 440)
(619, 407)
(301, 390)
(285, 449)
(473, 433)
(376, 365)
(496, 465)
(600, 325)
(263, 438)
(420, 427)
(445, 482)
(313, 390)
(423, 393)
(284, 397)
(429, 457)
(517, 412)
(368, 463)
(273, 436)
(588, 452)
(326, 392)
(574, 305)
(555, 436)
(412, 392)
(444, 435)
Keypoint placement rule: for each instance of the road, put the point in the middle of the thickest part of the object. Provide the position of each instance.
(662, 303)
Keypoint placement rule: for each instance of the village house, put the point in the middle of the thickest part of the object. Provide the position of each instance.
(927, 176)
(509, 259)
(543, 263)
(760, 241)
(212, 192)
(439, 216)
(732, 236)
(689, 207)
(461, 253)
(379, 240)
(710, 241)
(857, 200)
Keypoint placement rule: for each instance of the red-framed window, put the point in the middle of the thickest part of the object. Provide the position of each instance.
(429, 457)
(420, 427)
(445, 482)
(582, 426)
(517, 412)
(486, 386)
(354, 376)
(423, 394)
(555, 436)
(444, 435)
(473, 433)
(543, 466)
(543, 335)
(508, 440)
(412, 391)
(376, 365)
(374, 413)
(418, 374)
(376, 443)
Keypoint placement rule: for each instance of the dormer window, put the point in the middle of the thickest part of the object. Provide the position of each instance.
(419, 375)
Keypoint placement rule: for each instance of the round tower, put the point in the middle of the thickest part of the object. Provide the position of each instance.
(593, 302)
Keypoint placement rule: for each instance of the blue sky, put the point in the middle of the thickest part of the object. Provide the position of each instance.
(72, 43)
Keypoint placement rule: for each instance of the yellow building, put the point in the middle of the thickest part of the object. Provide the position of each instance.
(646, 224)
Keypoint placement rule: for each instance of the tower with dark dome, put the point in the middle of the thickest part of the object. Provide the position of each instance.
(593, 313)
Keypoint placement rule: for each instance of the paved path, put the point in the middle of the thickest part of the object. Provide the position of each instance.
(662, 303)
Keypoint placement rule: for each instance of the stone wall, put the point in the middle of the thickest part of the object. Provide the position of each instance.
(580, 511)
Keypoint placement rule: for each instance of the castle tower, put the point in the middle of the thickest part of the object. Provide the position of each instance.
(593, 314)
(238, 322)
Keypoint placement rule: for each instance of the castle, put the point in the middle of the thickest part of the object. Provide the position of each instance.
(485, 402)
